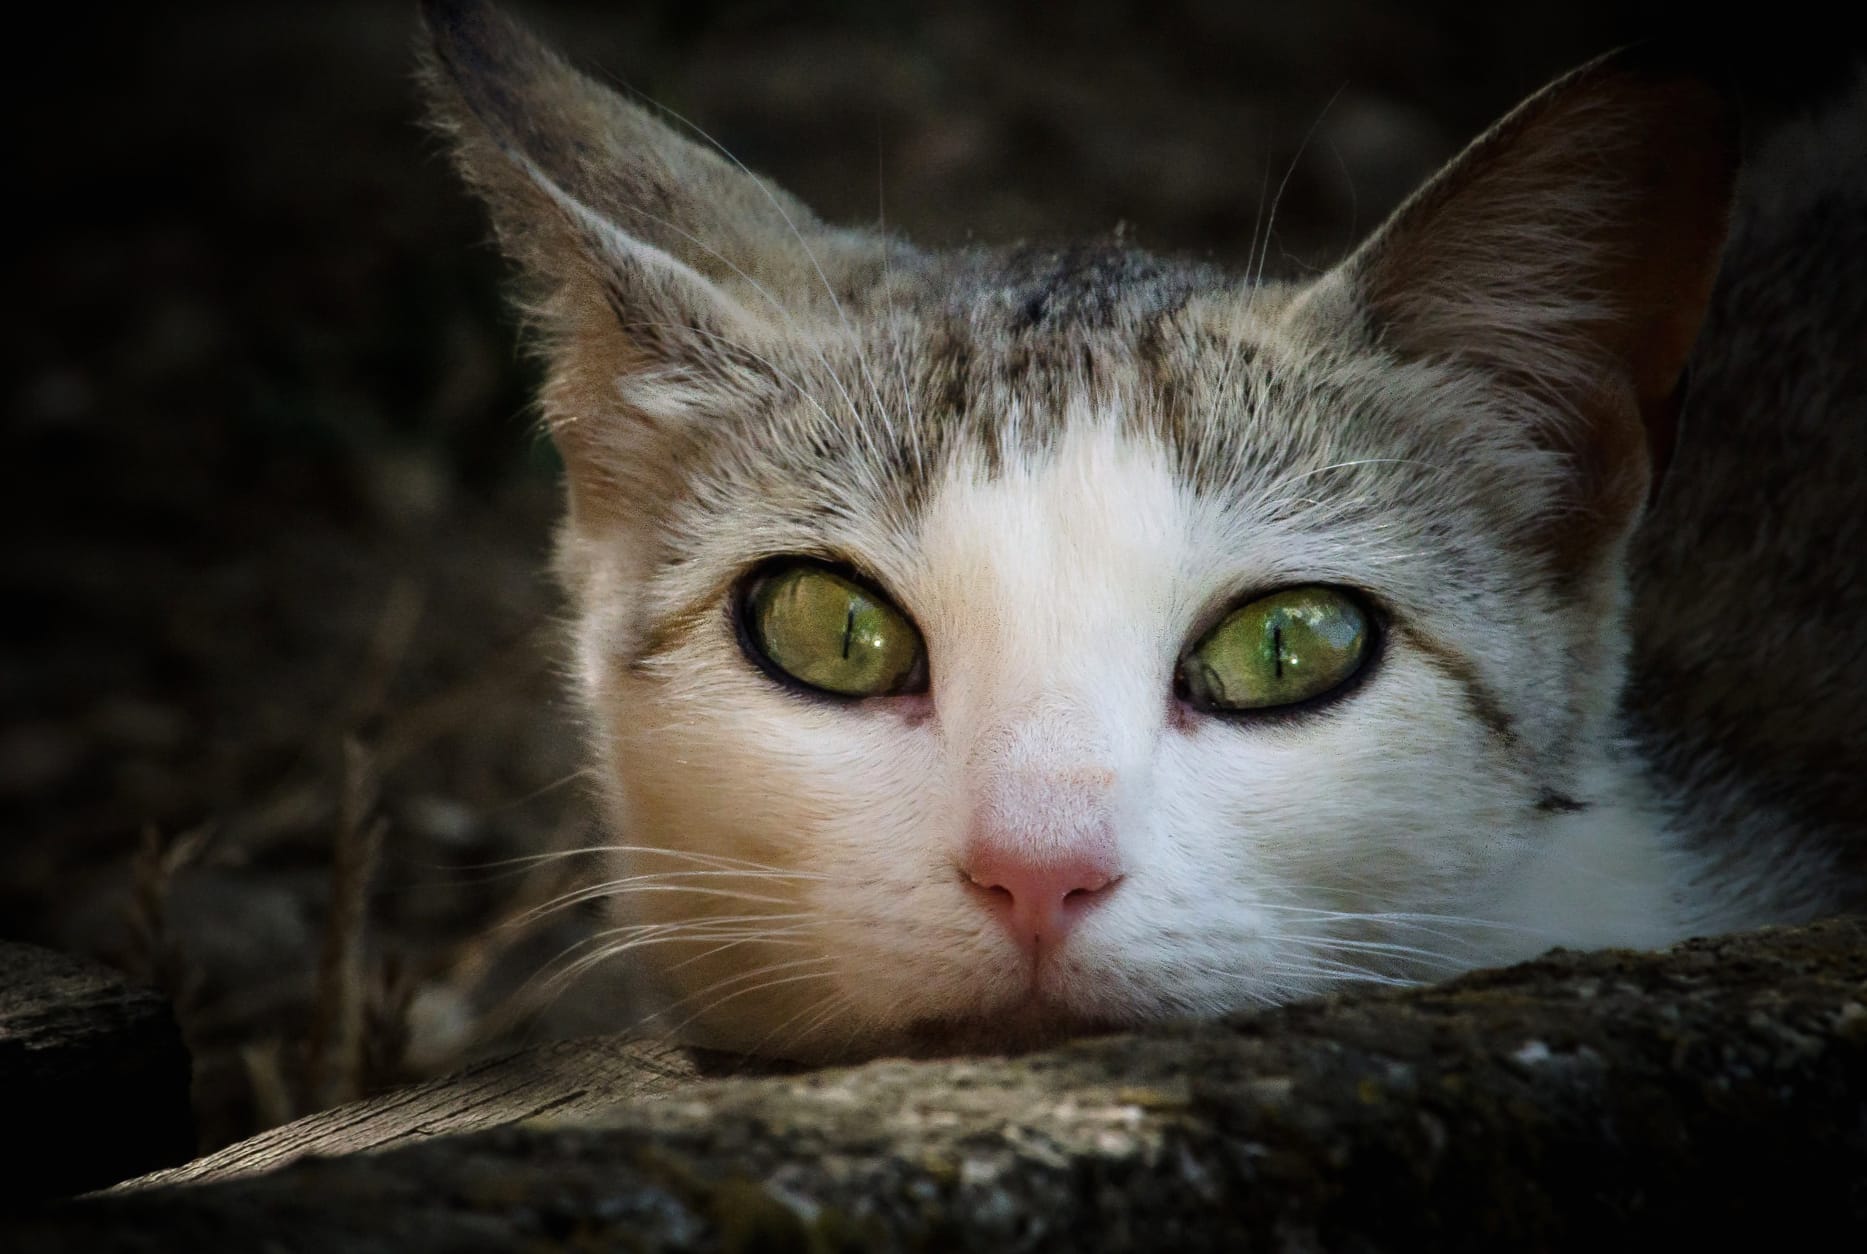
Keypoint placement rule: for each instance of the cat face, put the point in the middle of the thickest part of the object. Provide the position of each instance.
(988, 647)
(1056, 584)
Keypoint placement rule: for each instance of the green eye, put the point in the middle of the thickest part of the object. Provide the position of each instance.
(1278, 650)
(830, 632)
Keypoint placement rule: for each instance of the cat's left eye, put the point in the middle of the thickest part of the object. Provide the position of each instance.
(825, 630)
(1279, 650)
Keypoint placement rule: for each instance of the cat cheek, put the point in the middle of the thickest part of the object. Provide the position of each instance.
(824, 813)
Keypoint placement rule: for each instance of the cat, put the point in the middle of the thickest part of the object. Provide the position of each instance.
(989, 646)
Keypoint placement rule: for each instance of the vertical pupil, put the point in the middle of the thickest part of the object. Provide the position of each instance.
(1277, 647)
(849, 629)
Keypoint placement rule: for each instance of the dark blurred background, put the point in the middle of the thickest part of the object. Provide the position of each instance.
(278, 648)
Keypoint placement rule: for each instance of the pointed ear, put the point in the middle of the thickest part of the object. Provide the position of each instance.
(653, 266)
(1570, 252)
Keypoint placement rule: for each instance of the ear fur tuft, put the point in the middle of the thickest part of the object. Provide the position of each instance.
(651, 265)
(1571, 251)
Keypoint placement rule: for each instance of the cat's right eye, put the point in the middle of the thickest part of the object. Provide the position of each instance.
(817, 626)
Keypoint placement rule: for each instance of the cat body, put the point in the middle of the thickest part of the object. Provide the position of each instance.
(1053, 488)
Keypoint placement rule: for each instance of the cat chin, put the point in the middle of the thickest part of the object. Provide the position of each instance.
(1002, 1022)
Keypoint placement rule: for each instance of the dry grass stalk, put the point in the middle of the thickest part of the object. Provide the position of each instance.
(386, 1028)
(388, 645)
(526, 914)
(334, 1053)
(273, 1100)
(504, 672)
(154, 953)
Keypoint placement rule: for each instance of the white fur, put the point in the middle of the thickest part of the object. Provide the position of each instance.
(1262, 858)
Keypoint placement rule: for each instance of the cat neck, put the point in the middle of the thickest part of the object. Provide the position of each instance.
(1649, 861)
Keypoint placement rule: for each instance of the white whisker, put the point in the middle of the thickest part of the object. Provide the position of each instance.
(1270, 223)
(730, 981)
(616, 888)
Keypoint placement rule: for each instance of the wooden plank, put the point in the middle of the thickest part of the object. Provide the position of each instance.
(562, 1080)
(1711, 1095)
(93, 1077)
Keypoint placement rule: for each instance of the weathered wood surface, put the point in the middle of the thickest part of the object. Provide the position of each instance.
(563, 1080)
(1718, 1091)
(93, 1077)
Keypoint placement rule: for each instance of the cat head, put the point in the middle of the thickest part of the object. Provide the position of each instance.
(985, 646)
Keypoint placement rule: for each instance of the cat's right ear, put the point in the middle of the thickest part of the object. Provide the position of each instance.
(657, 272)
(1568, 257)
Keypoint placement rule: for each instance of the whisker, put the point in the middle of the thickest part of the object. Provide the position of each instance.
(704, 872)
(754, 974)
(621, 888)
(1400, 917)
(750, 938)
(686, 926)
(711, 859)
(562, 781)
(1270, 224)
(755, 988)
(887, 255)
(571, 970)
(1257, 222)
(1332, 972)
(1378, 947)
(819, 1013)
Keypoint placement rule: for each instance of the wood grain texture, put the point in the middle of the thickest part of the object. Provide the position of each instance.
(562, 1081)
(1714, 1091)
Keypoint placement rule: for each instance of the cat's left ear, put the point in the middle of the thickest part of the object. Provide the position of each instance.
(1570, 253)
(663, 278)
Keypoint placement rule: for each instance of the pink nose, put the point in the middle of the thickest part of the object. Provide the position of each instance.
(1039, 899)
